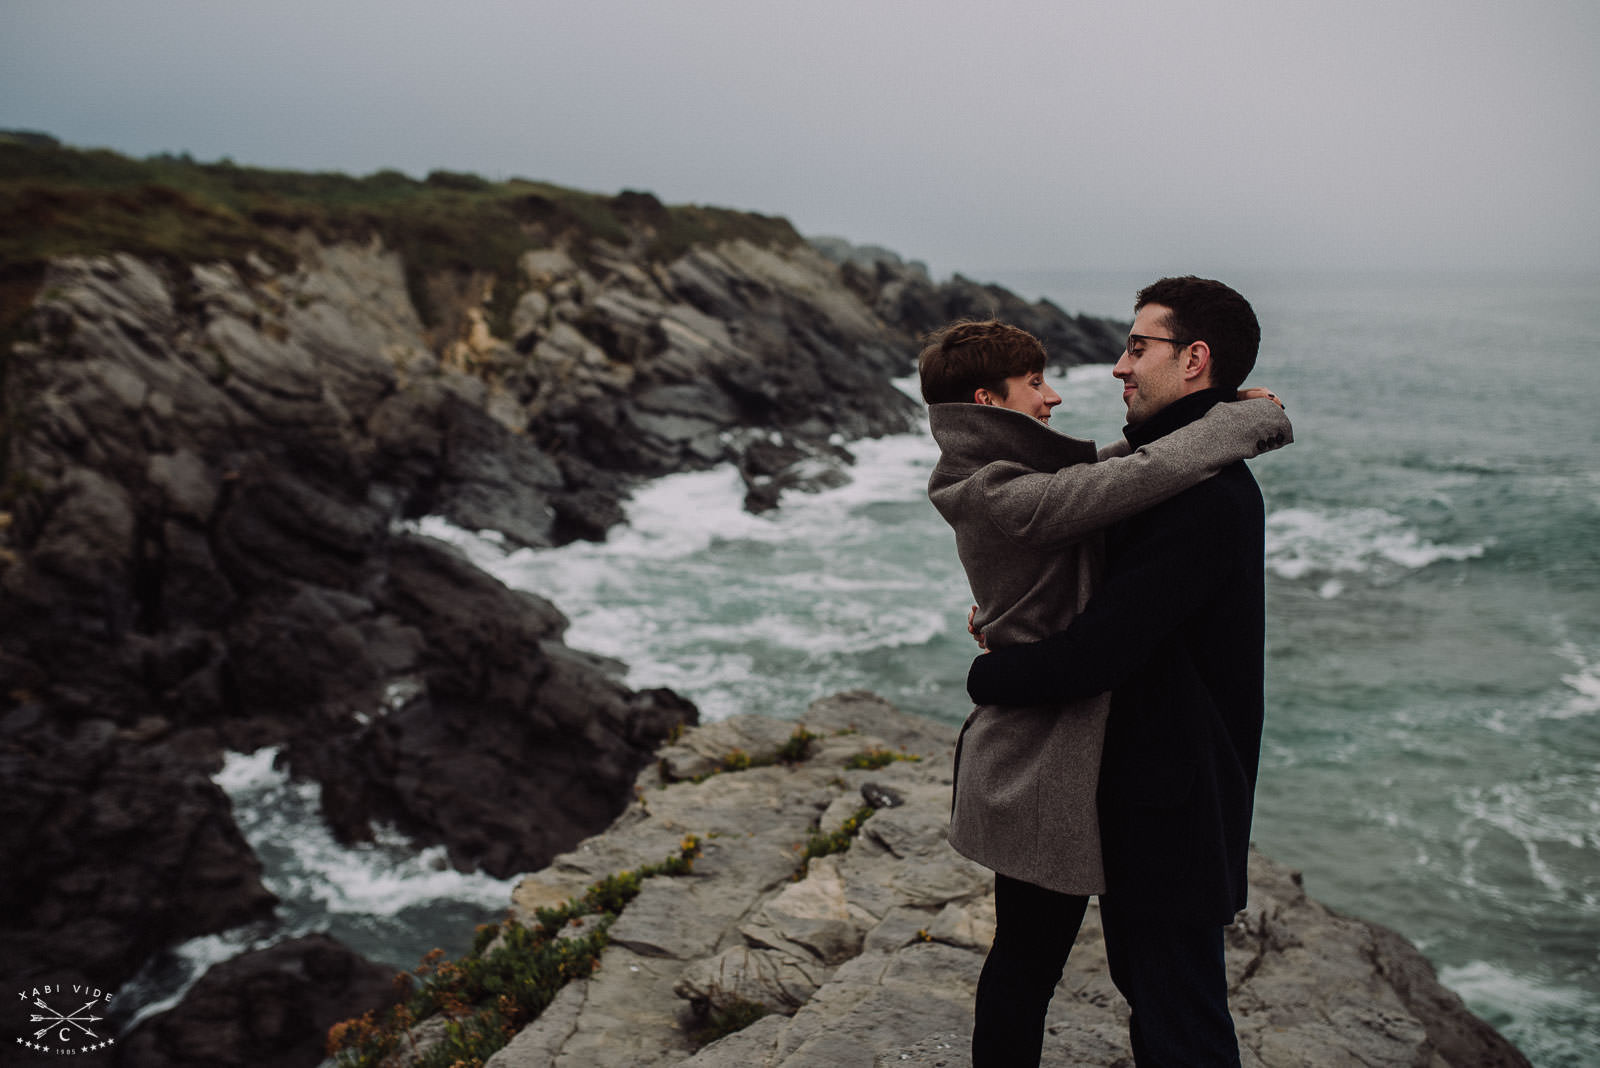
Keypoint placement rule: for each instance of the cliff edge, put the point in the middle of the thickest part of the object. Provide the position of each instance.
(869, 956)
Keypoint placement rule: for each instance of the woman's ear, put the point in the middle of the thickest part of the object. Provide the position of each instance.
(982, 396)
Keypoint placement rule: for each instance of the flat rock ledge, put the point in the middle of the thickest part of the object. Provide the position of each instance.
(871, 957)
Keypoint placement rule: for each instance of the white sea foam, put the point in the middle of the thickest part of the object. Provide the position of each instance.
(1484, 982)
(834, 626)
(1556, 1016)
(678, 516)
(1584, 683)
(682, 514)
(1304, 543)
(693, 591)
(1553, 820)
(281, 819)
(313, 876)
(1580, 696)
(169, 976)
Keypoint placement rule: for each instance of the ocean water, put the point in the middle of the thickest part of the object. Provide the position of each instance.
(385, 899)
(1432, 753)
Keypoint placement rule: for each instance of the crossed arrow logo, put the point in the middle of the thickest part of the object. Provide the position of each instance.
(55, 1019)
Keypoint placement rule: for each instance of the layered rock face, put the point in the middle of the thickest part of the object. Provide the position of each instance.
(209, 469)
(870, 957)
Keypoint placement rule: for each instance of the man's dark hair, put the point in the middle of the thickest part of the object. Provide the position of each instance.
(958, 360)
(1204, 309)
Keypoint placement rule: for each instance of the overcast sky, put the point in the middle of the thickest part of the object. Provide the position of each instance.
(1034, 134)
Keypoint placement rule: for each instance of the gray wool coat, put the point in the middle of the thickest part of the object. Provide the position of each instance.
(1027, 505)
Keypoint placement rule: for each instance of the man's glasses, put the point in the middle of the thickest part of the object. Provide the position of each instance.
(1135, 345)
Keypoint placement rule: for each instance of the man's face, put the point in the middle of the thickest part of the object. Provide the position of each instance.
(1027, 394)
(1152, 372)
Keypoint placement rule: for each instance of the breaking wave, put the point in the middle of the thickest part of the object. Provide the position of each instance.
(1331, 547)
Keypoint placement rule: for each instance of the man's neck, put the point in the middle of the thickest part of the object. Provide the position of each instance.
(1179, 413)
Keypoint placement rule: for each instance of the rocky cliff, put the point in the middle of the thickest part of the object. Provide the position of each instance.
(210, 463)
(866, 952)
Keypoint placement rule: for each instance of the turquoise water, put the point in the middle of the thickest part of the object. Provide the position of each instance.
(1434, 737)
(1432, 757)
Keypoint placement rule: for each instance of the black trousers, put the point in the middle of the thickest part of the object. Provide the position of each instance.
(1171, 972)
(1034, 931)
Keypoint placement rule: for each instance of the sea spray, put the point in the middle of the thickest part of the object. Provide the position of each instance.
(386, 898)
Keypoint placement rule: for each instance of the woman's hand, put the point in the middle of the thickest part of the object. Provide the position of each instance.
(977, 635)
(1258, 393)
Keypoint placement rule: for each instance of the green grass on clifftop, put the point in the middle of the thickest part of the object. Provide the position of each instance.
(511, 975)
(60, 201)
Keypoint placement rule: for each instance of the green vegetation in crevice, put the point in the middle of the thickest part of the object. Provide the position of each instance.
(796, 750)
(505, 981)
(877, 757)
(821, 845)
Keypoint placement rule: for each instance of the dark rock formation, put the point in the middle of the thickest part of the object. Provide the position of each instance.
(268, 1009)
(207, 473)
(1457, 1035)
(506, 745)
(114, 846)
(901, 292)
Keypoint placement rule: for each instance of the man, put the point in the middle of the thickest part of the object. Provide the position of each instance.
(1176, 633)
(1026, 504)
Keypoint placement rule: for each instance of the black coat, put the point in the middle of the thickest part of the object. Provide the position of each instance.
(1176, 632)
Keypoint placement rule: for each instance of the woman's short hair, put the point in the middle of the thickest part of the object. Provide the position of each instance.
(972, 354)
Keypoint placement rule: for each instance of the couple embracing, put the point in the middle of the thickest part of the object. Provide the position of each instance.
(1114, 746)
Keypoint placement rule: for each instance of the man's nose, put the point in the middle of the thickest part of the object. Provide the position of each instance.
(1124, 366)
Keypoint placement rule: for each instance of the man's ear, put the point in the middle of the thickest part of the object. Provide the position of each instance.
(1196, 361)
